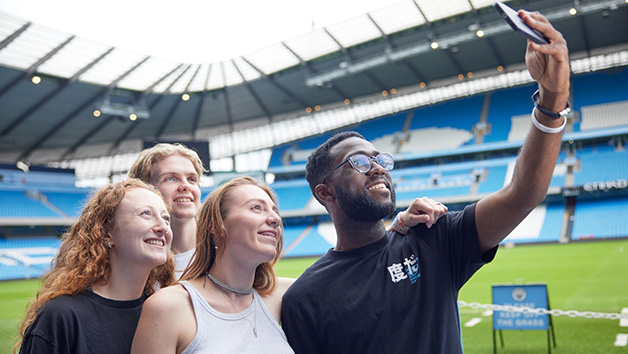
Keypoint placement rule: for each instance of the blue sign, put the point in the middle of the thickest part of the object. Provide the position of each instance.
(529, 295)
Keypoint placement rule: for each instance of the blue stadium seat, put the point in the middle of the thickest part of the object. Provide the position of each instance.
(601, 164)
(15, 204)
(26, 257)
(600, 219)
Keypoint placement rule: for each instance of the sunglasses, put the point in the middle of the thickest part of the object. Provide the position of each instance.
(362, 163)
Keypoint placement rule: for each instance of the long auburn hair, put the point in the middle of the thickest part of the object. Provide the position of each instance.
(211, 231)
(83, 258)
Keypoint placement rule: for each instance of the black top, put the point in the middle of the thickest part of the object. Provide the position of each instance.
(83, 323)
(396, 295)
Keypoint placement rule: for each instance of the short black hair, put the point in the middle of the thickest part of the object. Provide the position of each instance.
(319, 162)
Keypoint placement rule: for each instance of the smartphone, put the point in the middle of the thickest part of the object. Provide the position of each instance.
(517, 24)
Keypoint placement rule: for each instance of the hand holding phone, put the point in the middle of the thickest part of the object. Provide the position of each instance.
(517, 23)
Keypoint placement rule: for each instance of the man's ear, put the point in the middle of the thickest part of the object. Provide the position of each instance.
(324, 193)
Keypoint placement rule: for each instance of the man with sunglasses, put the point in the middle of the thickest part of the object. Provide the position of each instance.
(380, 292)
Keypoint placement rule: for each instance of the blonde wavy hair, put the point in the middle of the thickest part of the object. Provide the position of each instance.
(211, 218)
(83, 258)
(143, 165)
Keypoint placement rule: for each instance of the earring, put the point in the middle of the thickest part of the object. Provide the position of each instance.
(109, 245)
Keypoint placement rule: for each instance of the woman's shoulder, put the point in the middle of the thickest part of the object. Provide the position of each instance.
(168, 296)
(66, 302)
(66, 308)
(283, 284)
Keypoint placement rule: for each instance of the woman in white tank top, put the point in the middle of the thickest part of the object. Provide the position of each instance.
(229, 299)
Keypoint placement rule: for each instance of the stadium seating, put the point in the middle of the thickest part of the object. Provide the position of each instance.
(440, 159)
(604, 115)
(23, 204)
(26, 257)
(292, 194)
(604, 218)
(314, 240)
(542, 225)
(70, 203)
(504, 105)
(601, 163)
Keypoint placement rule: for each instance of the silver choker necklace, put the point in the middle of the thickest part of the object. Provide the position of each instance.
(237, 291)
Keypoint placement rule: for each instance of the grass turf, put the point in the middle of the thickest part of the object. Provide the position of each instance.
(14, 296)
(588, 276)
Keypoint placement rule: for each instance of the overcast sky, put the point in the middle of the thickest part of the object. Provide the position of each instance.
(192, 31)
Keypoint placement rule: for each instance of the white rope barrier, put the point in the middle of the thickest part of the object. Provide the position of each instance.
(542, 311)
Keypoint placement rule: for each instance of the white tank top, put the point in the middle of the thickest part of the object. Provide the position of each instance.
(181, 261)
(234, 332)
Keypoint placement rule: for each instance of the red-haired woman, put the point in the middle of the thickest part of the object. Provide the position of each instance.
(113, 257)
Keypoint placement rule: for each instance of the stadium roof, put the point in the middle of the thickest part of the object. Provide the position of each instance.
(284, 87)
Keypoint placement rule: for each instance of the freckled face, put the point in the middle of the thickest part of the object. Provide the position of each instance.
(141, 229)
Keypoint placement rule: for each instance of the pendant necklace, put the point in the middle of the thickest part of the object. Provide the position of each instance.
(238, 291)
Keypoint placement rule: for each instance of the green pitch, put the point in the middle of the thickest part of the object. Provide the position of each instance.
(14, 296)
(589, 276)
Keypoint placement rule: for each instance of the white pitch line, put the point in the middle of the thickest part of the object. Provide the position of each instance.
(487, 313)
(473, 322)
(621, 340)
(624, 321)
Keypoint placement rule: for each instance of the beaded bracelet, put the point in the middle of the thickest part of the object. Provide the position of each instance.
(399, 226)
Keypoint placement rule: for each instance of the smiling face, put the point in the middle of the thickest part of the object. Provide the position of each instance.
(141, 229)
(177, 180)
(253, 224)
(361, 196)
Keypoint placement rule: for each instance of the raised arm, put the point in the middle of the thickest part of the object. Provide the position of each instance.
(499, 213)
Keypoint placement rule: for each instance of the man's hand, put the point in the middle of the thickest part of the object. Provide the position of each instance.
(548, 64)
(421, 211)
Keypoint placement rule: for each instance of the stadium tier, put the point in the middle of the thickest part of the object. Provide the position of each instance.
(600, 219)
(26, 257)
(24, 204)
(601, 163)
(455, 152)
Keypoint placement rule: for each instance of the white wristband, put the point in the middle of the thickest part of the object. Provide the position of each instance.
(546, 129)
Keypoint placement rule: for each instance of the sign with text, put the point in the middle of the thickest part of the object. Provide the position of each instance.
(528, 295)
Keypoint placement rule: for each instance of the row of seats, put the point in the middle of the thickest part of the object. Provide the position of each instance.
(450, 124)
(594, 219)
(601, 163)
(23, 258)
(36, 204)
(600, 218)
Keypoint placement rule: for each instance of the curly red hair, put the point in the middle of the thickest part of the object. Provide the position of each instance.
(83, 258)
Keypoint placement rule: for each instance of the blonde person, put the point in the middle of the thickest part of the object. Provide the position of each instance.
(229, 298)
(175, 170)
(109, 262)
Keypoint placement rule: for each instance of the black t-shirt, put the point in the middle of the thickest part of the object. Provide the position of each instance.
(396, 295)
(83, 323)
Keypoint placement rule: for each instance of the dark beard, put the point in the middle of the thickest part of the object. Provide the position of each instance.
(362, 208)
